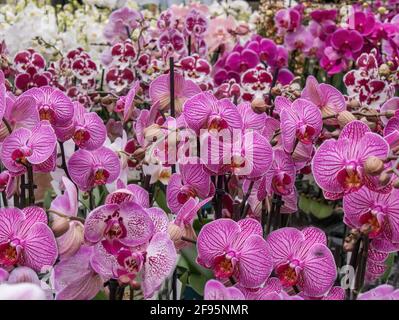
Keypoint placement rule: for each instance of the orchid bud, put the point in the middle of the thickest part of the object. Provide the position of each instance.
(354, 104)
(59, 226)
(384, 70)
(396, 184)
(107, 100)
(344, 118)
(373, 166)
(71, 241)
(259, 105)
(384, 178)
(175, 232)
(139, 154)
(276, 91)
(151, 132)
(382, 10)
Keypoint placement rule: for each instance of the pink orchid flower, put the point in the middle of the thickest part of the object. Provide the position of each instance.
(131, 192)
(215, 290)
(338, 165)
(324, 96)
(377, 210)
(376, 265)
(25, 147)
(75, 279)
(152, 263)
(126, 103)
(235, 249)
(92, 168)
(251, 119)
(160, 91)
(90, 131)
(301, 122)
(21, 291)
(192, 181)
(25, 239)
(280, 178)
(204, 111)
(8, 183)
(302, 259)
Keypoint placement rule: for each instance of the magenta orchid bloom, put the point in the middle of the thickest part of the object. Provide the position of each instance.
(382, 292)
(204, 111)
(25, 239)
(251, 119)
(362, 22)
(192, 181)
(235, 249)
(241, 59)
(302, 259)
(118, 224)
(324, 96)
(391, 105)
(215, 290)
(377, 210)
(131, 192)
(287, 19)
(92, 168)
(160, 91)
(301, 121)
(90, 131)
(347, 42)
(74, 278)
(265, 48)
(280, 178)
(338, 165)
(24, 147)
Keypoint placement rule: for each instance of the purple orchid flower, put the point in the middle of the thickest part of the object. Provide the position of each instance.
(302, 259)
(362, 22)
(301, 122)
(215, 290)
(287, 19)
(92, 168)
(24, 147)
(125, 104)
(90, 131)
(338, 165)
(347, 42)
(235, 249)
(378, 211)
(171, 43)
(160, 91)
(74, 278)
(241, 59)
(25, 239)
(265, 48)
(326, 97)
(192, 181)
(8, 183)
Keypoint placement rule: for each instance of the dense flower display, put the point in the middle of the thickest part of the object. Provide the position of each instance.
(199, 152)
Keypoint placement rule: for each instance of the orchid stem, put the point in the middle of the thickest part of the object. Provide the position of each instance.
(31, 185)
(244, 207)
(66, 216)
(188, 240)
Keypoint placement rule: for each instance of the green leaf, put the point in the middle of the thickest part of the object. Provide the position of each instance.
(190, 255)
(389, 264)
(197, 225)
(48, 198)
(160, 199)
(318, 209)
(100, 296)
(197, 282)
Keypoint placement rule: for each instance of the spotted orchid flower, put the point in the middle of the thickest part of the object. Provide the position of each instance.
(215, 290)
(152, 263)
(378, 211)
(338, 165)
(24, 147)
(302, 259)
(192, 181)
(301, 122)
(235, 249)
(256, 83)
(92, 168)
(25, 239)
(89, 131)
(118, 223)
(119, 79)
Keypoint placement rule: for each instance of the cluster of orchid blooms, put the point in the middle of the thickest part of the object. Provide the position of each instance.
(223, 129)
